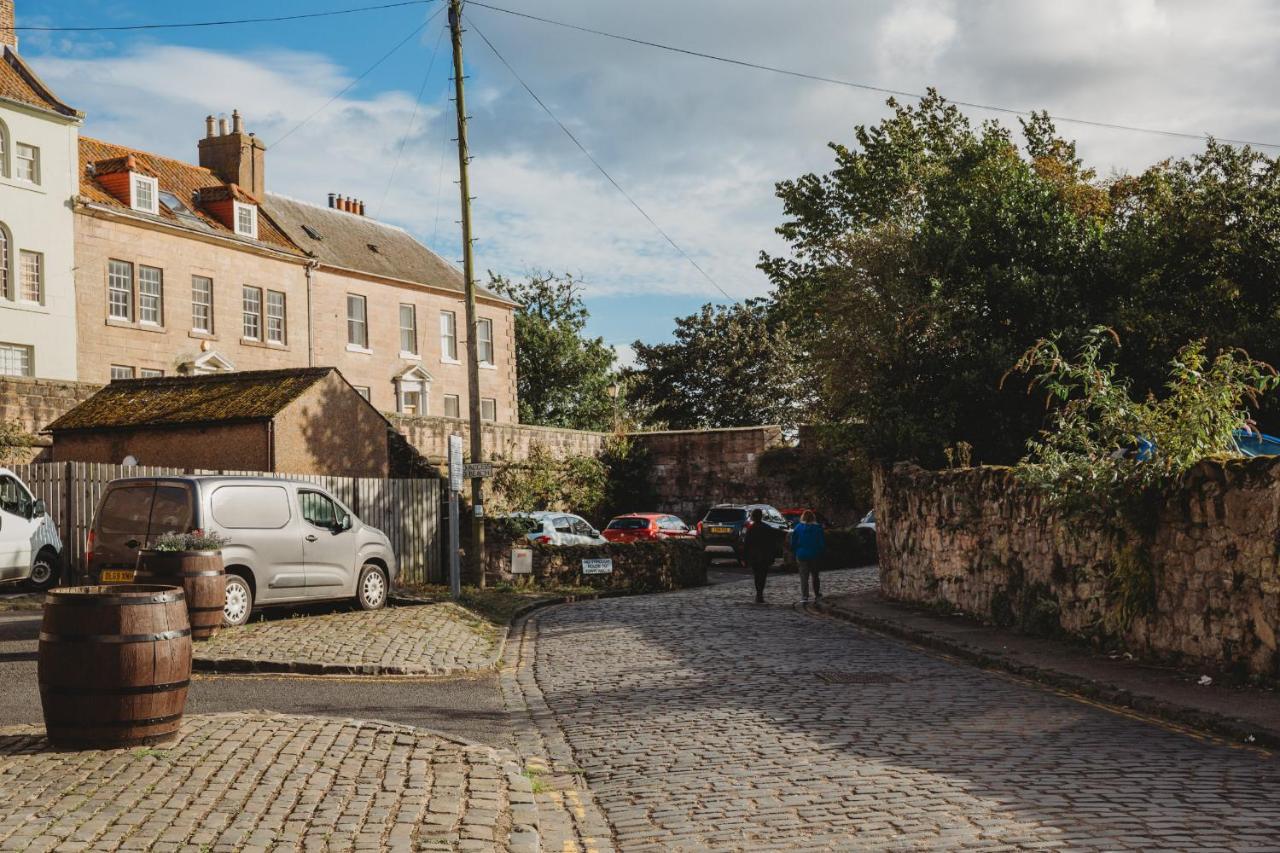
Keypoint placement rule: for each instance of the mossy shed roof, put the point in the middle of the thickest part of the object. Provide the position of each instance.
(252, 395)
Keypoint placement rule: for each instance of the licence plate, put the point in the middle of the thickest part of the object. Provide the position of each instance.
(117, 576)
(721, 529)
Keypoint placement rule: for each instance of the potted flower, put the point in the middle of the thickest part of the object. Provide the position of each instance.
(192, 561)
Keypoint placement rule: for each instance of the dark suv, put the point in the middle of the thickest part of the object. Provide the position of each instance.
(723, 527)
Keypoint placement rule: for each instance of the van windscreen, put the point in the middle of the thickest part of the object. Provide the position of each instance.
(126, 509)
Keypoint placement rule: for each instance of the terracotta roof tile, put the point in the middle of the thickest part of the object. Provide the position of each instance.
(183, 180)
(19, 83)
(173, 400)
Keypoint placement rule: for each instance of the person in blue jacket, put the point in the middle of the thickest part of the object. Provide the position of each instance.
(809, 543)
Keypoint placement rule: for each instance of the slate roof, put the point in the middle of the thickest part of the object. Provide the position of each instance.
(354, 242)
(251, 395)
(182, 179)
(19, 83)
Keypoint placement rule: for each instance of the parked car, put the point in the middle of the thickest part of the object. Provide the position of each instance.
(647, 526)
(724, 526)
(288, 542)
(868, 522)
(794, 514)
(559, 528)
(30, 548)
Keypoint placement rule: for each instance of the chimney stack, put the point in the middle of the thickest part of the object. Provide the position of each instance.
(8, 35)
(233, 155)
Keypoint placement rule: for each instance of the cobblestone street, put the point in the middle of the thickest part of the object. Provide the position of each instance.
(702, 721)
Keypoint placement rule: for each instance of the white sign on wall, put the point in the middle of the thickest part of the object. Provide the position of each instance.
(455, 463)
(603, 566)
(521, 561)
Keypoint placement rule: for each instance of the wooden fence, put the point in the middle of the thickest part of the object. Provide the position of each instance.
(408, 511)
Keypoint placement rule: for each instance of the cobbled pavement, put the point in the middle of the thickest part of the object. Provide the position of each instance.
(699, 722)
(263, 782)
(431, 639)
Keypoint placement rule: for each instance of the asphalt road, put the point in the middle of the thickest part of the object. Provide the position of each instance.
(468, 706)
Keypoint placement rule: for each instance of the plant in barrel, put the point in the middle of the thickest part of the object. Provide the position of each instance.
(192, 561)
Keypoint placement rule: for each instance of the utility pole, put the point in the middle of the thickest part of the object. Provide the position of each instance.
(476, 558)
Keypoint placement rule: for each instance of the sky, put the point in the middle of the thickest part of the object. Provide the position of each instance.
(699, 145)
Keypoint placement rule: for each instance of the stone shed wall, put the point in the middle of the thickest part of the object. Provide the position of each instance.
(976, 540)
(33, 403)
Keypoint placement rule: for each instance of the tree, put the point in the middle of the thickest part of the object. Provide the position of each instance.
(936, 252)
(562, 376)
(730, 365)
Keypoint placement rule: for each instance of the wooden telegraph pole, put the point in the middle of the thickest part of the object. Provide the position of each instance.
(476, 557)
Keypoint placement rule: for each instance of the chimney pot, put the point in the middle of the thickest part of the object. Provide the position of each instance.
(208, 126)
(348, 205)
(332, 199)
(222, 125)
(237, 124)
(362, 207)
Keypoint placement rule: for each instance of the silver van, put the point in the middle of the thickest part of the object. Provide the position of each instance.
(289, 542)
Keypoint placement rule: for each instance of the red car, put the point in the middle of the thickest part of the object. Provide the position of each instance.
(647, 526)
(793, 514)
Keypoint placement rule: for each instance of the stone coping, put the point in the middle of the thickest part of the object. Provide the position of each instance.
(263, 781)
(438, 639)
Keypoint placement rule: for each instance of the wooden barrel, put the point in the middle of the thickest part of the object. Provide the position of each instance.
(114, 664)
(202, 578)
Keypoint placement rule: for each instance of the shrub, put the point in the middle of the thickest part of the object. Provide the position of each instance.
(193, 541)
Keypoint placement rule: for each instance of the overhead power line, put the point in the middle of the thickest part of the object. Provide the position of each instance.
(866, 87)
(225, 23)
(596, 162)
(417, 106)
(363, 75)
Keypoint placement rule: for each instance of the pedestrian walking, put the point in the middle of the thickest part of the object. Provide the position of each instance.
(760, 547)
(809, 544)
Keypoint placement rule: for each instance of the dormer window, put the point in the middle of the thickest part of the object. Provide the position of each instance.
(247, 220)
(145, 193)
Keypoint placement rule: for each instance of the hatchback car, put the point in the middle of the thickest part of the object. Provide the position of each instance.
(724, 526)
(287, 542)
(558, 528)
(30, 548)
(647, 526)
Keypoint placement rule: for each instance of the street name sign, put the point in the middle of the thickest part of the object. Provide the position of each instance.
(477, 471)
(455, 463)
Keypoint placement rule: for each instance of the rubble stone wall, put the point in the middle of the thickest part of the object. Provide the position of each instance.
(1203, 591)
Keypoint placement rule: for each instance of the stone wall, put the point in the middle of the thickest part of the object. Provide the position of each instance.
(1204, 592)
(637, 567)
(509, 442)
(34, 403)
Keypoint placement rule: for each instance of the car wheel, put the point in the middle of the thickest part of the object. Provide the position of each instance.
(371, 591)
(239, 602)
(46, 571)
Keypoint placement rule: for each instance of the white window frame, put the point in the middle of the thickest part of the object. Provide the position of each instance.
(129, 304)
(25, 356)
(279, 336)
(364, 391)
(207, 329)
(247, 314)
(449, 337)
(144, 306)
(150, 373)
(152, 187)
(360, 343)
(4, 150)
(411, 330)
(484, 338)
(124, 371)
(457, 405)
(415, 380)
(252, 210)
(37, 260)
(6, 262)
(33, 160)
(491, 403)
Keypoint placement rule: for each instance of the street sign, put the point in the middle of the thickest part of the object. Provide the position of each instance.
(603, 566)
(477, 471)
(521, 561)
(455, 463)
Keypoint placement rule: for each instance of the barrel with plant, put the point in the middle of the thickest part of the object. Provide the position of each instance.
(194, 562)
(114, 664)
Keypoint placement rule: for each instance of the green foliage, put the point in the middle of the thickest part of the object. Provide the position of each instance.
(562, 376)
(630, 487)
(729, 365)
(195, 541)
(543, 482)
(935, 252)
(15, 441)
(1075, 462)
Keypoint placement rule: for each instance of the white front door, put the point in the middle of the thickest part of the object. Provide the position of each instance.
(16, 528)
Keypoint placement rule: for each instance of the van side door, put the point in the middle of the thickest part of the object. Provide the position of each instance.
(263, 534)
(16, 528)
(328, 545)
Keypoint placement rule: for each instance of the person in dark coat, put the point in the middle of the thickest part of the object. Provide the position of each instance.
(760, 547)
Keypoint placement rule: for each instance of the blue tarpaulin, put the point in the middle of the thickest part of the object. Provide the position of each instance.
(1257, 444)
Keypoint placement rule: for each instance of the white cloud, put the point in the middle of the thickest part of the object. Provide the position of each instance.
(625, 355)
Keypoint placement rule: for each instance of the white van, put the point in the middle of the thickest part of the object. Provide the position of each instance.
(30, 548)
(289, 542)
